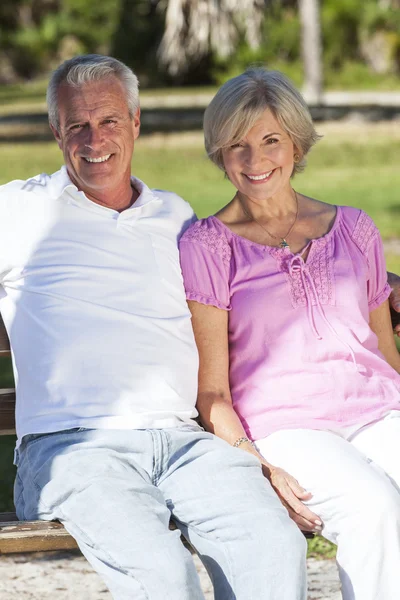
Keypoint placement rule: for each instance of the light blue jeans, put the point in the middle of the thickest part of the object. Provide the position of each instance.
(115, 492)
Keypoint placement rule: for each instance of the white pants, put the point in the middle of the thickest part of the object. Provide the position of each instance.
(355, 486)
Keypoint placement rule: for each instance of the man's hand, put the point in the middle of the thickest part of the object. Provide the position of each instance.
(394, 301)
(291, 494)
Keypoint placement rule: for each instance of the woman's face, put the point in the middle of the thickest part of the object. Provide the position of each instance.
(261, 164)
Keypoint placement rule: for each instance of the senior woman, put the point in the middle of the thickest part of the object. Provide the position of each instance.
(298, 363)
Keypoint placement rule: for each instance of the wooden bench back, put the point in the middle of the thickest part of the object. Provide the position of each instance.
(4, 343)
(7, 396)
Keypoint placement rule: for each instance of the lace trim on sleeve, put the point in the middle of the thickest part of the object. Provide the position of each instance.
(213, 240)
(364, 232)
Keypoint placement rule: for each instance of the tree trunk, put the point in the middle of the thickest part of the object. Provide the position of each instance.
(196, 28)
(311, 49)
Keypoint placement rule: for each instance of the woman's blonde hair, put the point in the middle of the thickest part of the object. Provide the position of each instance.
(240, 102)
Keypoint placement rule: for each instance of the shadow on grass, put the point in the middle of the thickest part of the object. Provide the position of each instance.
(394, 209)
(33, 127)
(20, 97)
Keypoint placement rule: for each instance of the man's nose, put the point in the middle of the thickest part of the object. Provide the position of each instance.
(93, 138)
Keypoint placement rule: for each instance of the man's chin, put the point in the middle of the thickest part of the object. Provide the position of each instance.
(98, 182)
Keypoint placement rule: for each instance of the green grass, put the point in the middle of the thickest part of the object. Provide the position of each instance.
(320, 548)
(353, 165)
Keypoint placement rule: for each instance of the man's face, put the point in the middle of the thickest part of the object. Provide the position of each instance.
(97, 135)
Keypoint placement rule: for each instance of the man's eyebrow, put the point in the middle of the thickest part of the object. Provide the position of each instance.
(73, 120)
(111, 116)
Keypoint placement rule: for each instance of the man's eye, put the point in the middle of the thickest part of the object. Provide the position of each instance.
(77, 126)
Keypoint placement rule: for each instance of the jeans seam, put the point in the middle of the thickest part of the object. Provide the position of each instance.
(109, 558)
(21, 499)
(212, 537)
(37, 487)
(60, 511)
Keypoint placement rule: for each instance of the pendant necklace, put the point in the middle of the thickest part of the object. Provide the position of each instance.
(283, 240)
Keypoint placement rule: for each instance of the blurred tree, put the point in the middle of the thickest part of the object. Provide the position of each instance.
(194, 29)
(28, 33)
(92, 22)
(32, 32)
(311, 43)
(200, 41)
(137, 35)
(389, 3)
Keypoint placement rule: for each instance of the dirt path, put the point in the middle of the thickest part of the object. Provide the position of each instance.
(67, 576)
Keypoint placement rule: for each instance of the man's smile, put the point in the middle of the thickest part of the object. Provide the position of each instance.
(100, 159)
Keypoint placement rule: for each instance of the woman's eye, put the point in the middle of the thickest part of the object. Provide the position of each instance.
(272, 141)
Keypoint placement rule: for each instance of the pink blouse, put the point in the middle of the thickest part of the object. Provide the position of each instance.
(302, 354)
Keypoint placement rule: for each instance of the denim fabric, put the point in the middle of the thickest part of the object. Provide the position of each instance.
(115, 492)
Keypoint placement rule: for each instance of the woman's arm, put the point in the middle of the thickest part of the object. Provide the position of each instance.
(217, 414)
(381, 325)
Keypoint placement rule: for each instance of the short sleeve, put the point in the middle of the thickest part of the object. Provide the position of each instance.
(370, 243)
(378, 287)
(205, 262)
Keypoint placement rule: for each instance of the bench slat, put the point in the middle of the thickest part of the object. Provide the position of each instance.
(34, 536)
(4, 343)
(38, 536)
(7, 411)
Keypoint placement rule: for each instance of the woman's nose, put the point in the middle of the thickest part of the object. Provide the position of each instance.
(254, 157)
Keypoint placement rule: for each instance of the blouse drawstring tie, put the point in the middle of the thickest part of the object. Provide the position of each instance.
(297, 265)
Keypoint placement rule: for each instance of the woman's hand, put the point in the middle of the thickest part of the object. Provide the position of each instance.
(291, 495)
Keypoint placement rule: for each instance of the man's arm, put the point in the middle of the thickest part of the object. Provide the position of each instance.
(394, 301)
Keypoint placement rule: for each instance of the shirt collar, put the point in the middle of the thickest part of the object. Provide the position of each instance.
(60, 182)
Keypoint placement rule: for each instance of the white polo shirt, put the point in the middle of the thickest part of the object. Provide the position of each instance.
(94, 305)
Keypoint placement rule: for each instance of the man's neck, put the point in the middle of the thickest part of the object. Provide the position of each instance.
(118, 202)
(117, 198)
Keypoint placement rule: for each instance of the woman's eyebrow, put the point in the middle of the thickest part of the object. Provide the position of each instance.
(269, 135)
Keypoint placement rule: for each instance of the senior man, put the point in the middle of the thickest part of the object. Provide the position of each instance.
(106, 368)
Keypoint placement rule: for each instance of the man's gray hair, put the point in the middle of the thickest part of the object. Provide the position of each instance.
(86, 68)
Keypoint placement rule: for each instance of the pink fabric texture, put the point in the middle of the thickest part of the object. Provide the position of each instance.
(302, 354)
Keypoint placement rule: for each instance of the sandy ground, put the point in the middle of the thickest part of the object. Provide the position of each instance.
(67, 576)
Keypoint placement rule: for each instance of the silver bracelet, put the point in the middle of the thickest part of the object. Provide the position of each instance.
(242, 440)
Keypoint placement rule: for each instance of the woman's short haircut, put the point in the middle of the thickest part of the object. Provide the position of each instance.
(86, 68)
(240, 102)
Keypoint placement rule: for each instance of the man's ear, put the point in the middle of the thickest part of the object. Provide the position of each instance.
(136, 124)
(57, 136)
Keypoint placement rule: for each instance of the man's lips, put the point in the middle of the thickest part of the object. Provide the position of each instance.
(99, 159)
